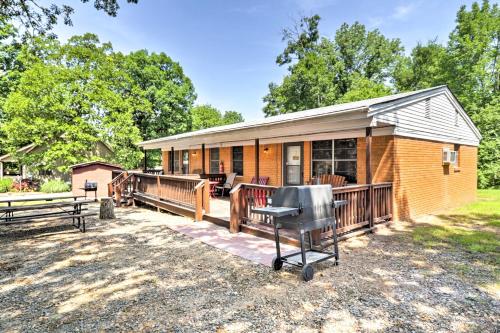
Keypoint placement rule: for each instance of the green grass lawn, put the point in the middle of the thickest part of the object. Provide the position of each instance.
(474, 228)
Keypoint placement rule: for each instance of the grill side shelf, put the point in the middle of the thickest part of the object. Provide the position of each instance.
(277, 211)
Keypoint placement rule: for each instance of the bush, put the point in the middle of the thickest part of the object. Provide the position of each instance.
(55, 186)
(5, 185)
(25, 185)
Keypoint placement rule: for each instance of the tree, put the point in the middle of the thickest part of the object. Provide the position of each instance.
(424, 68)
(69, 97)
(37, 17)
(470, 65)
(206, 116)
(356, 62)
(232, 117)
(164, 95)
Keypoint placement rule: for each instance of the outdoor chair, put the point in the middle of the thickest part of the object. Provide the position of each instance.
(228, 184)
(263, 180)
(334, 180)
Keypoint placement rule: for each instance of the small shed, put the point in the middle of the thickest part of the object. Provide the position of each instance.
(95, 171)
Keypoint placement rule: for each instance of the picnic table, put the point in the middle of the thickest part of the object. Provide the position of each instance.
(65, 209)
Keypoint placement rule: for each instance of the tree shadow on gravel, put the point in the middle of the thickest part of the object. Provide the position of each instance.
(135, 274)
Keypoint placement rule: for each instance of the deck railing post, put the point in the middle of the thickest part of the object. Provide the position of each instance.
(206, 196)
(235, 207)
(198, 215)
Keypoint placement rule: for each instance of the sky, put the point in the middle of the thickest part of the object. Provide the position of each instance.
(228, 48)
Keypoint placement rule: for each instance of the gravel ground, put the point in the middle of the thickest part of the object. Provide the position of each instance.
(135, 274)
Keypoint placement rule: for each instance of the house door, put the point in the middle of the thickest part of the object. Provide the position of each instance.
(293, 166)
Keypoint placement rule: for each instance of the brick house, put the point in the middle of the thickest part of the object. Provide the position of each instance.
(405, 139)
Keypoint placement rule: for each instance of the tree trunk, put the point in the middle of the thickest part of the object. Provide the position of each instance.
(107, 209)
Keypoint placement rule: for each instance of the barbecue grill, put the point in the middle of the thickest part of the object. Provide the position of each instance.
(304, 209)
(90, 186)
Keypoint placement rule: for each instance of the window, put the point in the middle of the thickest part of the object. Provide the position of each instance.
(214, 160)
(335, 157)
(11, 169)
(322, 157)
(185, 161)
(238, 160)
(176, 161)
(345, 158)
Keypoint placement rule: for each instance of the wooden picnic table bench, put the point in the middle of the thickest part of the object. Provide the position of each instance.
(75, 212)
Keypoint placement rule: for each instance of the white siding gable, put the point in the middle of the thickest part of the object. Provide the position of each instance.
(436, 117)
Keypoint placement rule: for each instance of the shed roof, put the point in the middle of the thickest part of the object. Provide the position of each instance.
(81, 165)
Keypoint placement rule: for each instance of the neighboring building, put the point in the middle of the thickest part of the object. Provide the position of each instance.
(96, 171)
(408, 139)
(10, 167)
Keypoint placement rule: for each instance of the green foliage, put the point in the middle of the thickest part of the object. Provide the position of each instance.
(470, 66)
(206, 116)
(356, 62)
(55, 186)
(38, 17)
(162, 94)
(5, 185)
(69, 97)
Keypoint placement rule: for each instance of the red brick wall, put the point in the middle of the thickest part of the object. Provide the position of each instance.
(382, 159)
(422, 185)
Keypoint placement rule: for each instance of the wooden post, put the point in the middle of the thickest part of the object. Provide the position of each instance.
(172, 159)
(235, 209)
(110, 189)
(198, 215)
(203, 159)
(257, 164)
(206, 196)
(368, 138)
(145, 160)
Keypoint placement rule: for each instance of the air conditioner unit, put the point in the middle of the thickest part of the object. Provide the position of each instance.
(449, 156)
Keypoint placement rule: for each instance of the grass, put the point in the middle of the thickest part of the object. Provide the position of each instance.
(55, 186)
(473, 228)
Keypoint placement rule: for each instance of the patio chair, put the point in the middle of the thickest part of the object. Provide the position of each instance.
(228, 184)
(263, 180)
(334, 180)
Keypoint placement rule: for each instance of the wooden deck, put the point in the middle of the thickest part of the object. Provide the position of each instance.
(366, 206)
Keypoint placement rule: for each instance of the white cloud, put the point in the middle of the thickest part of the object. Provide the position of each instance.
(402, 11)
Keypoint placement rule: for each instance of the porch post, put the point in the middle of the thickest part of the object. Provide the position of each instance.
(145, 160)
(369, 202)
(368, 155)
(172, 160)
(203, 159)
(1, 170)
(257, 161)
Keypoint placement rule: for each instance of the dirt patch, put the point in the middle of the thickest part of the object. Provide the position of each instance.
(135, 274)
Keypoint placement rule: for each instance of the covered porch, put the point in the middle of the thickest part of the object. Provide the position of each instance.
(347, 144)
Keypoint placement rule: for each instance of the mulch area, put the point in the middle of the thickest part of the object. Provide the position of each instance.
(135, 274)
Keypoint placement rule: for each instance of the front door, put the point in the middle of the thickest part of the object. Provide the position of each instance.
(293, 166)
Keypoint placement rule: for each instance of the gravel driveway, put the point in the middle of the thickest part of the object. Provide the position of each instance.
(135, 274)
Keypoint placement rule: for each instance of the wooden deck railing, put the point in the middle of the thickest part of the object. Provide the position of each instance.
(182, 192)
(366, 205)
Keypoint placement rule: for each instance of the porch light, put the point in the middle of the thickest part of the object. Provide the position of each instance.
(193, 153)
(266, 150)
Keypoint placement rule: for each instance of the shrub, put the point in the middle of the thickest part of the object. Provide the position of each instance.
(55, 186)
(5, 185)
(25, 185)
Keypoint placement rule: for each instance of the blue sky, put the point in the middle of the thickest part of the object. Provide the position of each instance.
(228, 48)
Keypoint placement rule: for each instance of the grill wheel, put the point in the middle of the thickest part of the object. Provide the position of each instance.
(277, 263)
(307, 272)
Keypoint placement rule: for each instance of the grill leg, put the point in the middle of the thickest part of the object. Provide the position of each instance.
(277, 239)
(335, 243)
(310, 241)
(302, 248)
